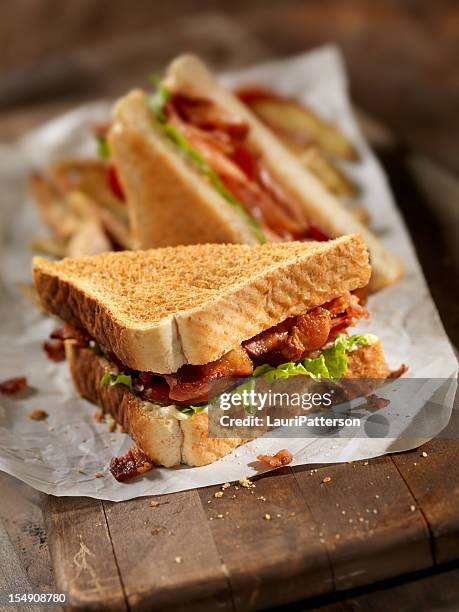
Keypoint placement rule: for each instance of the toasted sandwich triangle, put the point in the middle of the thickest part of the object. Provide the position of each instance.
(159, 309)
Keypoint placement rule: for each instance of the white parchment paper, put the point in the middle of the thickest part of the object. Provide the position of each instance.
(62, 454)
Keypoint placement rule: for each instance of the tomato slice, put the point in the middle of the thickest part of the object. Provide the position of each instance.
(114, 182)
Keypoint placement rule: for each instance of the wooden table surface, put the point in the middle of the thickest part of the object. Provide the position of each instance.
(312, 550)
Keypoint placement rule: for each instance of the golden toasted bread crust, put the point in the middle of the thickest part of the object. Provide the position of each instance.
(165, 440)
(158, 309)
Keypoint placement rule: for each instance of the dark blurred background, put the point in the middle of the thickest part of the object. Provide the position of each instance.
(401, 57)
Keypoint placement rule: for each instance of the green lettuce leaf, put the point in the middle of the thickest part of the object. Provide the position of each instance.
(191, 410)
(116, 379)
(331, 363)
(103, 150)
(158, 101)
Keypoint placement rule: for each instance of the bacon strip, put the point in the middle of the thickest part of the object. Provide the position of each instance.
(70, 332)
(134, 463)
(282, 457)
(191, 383)
(55, 350)
(292, 338)
(376, 402)
(12, 386)
(222, 140)
(399, 371)
(204, 114)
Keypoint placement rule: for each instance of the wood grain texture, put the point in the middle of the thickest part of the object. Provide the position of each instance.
(433, 480)
(366, 520)
(21, 516)
(269, 562)
(223, 552)
(13, 578)
(84, 563)
(166, 554)
(437, 591)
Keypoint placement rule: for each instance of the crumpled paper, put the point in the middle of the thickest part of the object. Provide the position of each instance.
(62, 454)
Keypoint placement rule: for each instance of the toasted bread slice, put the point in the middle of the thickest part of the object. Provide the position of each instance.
(171, 203)
(159, 309)
(166, 440)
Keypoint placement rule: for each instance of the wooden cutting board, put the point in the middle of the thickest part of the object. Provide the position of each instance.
(373, 520)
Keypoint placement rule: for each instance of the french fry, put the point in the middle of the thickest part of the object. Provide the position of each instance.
(75, 201)
(298, 123)
(90, 239)
(55, 246)
(328, 173)
(361, 214)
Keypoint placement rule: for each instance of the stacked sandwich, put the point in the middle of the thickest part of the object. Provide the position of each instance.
(147, 331)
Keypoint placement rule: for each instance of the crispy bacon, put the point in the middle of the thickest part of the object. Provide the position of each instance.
(222, 140)
(398, 372)
(114, 182)
(203, 113)
(292, 338)
(262, 205)
(310, 333)
(191, 383)
(154, 388)
(297, 336)
(269, 340)
(282, 457)
(134, 463)
(55, 350)
(70, 332)
(13, 386)
(346, 310)
(362, 294)
(376, 402)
